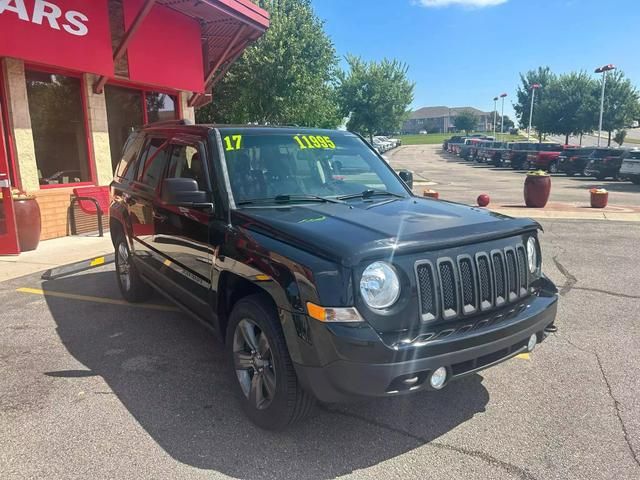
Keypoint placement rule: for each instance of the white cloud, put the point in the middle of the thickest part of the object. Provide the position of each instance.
(464, 3)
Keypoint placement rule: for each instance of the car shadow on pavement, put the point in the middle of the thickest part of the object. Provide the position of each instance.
(587, 183)
(173, 377)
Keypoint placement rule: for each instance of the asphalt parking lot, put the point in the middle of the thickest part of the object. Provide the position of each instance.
(93, 388)
(462, 181)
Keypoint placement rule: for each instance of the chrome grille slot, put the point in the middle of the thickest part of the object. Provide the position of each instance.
(448, 288)
(522, 268)
(484, 279)
(468, 285)
(512, 274)
(500, 277)
(427, 291)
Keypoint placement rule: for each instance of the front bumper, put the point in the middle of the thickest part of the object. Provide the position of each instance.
(357, 362)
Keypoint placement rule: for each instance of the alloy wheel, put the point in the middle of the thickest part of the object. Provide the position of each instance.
(253, 362)
(123, 267)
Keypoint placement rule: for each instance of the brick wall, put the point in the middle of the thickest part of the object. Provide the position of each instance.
(54, 205)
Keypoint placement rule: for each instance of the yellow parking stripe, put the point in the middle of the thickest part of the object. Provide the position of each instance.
(89, 298)
(524, 356)
(97, 261)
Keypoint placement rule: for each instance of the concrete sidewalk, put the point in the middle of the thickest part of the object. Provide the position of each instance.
(53, 253)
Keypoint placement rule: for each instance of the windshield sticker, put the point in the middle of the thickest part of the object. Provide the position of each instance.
(314, 141)
(232, 142)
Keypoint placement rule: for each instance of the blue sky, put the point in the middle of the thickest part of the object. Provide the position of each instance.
(465, 52)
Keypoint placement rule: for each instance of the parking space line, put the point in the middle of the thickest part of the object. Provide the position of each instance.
(89, 298)
(524, 356)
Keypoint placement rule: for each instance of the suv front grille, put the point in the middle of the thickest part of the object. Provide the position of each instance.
(449, 289)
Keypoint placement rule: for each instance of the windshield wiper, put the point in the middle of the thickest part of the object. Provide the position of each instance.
(370, 193)
(287, 198)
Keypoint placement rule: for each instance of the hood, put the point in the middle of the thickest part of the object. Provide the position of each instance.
(350, 233)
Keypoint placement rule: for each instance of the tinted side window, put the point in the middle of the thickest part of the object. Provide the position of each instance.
(153, 162)
(126, 169)
(186, 162)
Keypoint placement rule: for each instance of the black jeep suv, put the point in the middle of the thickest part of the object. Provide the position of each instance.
(312, 260)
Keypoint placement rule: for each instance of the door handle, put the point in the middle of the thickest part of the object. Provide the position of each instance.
(159, 217)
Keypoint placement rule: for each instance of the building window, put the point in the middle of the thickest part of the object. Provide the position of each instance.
(129, 109)
(58, 125)
(124, 114)
(160, 107)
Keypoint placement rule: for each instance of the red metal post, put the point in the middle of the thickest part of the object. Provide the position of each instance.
(219, 62)
(126, 39)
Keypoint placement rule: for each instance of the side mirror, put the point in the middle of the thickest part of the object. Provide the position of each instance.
(183, 192)
(407, 177)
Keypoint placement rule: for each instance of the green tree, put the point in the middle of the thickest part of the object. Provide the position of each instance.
(287, 77)
(620, 137)
(375, 94)
(542, 76)
(465, 120)
(621, 102)
(507, 123)
(568, 105)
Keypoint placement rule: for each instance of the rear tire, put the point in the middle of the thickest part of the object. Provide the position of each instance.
(132, 287)
(267, 385)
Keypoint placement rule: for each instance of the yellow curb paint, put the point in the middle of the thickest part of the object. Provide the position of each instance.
(89, 298)
(167, 262)
(97, 261)
(524, 356)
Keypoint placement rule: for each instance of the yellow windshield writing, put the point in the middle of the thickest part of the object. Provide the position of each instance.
(314, 141)
(232, 142)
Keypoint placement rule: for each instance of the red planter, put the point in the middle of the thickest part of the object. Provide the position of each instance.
(430, 193)
(28, 223)
(537, 189)
(599, 200)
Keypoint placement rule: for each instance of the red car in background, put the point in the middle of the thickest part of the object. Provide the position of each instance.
(546, 156)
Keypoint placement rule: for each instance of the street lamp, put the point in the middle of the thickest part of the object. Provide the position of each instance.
(603, 70)
(534, 87)
(495, 112)
(502, 95)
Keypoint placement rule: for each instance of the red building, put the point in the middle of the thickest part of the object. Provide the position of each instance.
(77, 76)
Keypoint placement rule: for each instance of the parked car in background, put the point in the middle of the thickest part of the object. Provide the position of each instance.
(468, 148)
(517, 154)
(395, 142)
(455, 139)
(494, 153)
(477, 152)
(379, 145)
(604, 163)
(630, 168)
(572, 162)
(545, 157)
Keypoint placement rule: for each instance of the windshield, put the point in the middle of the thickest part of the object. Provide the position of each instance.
(264, 166)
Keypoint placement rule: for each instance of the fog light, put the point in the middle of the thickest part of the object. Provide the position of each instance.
(533, 340)
(438, 377)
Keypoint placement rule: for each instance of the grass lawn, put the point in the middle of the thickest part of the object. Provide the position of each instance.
(438, 138)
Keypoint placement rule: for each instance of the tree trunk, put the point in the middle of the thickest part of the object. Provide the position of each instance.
(566, 139)
(609, 141)
(371, 138)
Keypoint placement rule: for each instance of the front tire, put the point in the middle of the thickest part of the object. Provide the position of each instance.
(132, 287)
(268, 388)
(553, 167)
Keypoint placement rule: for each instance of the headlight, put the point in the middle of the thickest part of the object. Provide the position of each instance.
(532, 255)
(379, 285)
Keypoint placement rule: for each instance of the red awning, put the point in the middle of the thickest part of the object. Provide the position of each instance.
(227, 27)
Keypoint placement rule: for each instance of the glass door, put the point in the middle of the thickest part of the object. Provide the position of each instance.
(8, 229)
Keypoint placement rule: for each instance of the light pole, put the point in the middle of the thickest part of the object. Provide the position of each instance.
(603, 70)
(502, 95)
(534, 87)
(495, 112)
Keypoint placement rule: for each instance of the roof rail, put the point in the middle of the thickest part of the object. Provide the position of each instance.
(182, 121)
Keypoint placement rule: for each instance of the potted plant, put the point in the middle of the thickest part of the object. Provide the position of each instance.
(28, 220)
(599, 197)
(537, 188)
